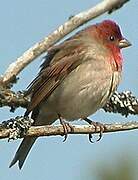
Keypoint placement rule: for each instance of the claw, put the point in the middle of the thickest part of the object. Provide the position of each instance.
(90, 138)
(102, 128)
(96, 125)
(66, 127)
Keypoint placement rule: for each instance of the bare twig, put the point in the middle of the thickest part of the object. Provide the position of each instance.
(77, 129)
(105, 6)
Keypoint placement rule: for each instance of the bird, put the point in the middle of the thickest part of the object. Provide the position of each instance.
(76, 79)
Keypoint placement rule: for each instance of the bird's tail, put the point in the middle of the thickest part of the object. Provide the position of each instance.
(28, 142)
(23, 151)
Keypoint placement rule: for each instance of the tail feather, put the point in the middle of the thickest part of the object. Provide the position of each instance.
(25, 147)
(23, 151)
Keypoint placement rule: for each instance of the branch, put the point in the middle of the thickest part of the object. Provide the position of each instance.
(124, 103)
(77, 129)
(13, 100)
(16, 67)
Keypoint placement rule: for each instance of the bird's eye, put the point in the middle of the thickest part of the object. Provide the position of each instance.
(112, 38)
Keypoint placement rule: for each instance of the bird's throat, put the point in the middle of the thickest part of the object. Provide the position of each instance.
(116, 59)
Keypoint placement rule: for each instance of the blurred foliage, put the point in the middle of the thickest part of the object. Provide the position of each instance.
(121, 171)
(121, 168)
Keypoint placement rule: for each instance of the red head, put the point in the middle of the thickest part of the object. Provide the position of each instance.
(109, 35)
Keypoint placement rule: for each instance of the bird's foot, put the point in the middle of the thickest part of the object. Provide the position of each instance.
(66, 127)
(97, 126)
(18, 126)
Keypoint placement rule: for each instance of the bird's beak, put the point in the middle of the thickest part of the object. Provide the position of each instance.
(123, 43)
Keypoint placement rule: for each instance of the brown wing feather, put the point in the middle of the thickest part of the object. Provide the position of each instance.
(54, 56)
(53, 74)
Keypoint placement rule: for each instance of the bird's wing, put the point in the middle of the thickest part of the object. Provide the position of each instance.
(59, 62)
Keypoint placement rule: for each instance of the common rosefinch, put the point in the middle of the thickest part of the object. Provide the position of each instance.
(77, 78)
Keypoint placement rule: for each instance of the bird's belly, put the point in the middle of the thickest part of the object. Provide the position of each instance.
(80, 94)
(79, 104)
